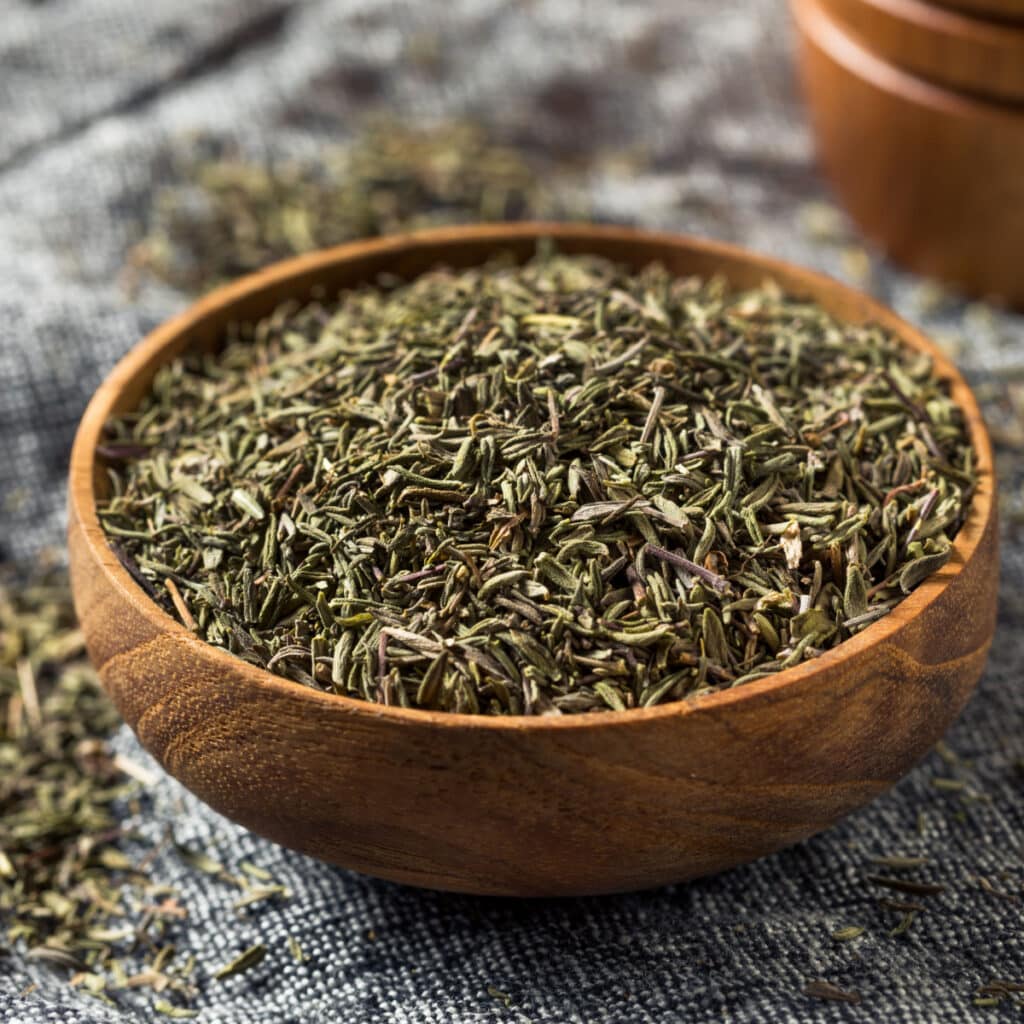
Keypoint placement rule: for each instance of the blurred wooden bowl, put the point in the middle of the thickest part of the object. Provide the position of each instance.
(932, 175)
(1002, 10)
(531, 806)
(985, 58)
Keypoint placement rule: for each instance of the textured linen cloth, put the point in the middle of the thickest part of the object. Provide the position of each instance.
(91, 96)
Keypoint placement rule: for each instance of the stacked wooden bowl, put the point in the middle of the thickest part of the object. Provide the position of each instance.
(918, 115)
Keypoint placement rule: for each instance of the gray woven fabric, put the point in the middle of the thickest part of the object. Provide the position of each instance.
(90, 95)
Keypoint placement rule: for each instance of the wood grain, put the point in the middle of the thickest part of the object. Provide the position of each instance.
(531, 806)
(1002, 10)
(977, 56)
(933, 176)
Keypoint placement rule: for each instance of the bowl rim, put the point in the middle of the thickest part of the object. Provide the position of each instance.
(1001, 11)
(980, 57)
(950, 23)
(820, 25)
(84, 465)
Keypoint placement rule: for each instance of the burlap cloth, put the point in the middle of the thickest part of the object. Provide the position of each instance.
(90, 96)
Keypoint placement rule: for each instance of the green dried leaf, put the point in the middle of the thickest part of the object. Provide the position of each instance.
(162, 1006)
(243, 962)
(920, 569)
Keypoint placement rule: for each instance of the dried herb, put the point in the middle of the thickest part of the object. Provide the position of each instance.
(829, 992)
(994, 992)
(907, 909)
(243, 962)
(899, 863)
(168, 1009)
(913, 888)
(555, 488)
(501, 996)
(75, 890)
(224, 214)
(71, 896)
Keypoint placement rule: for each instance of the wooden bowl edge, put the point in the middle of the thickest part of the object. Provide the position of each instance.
(83, 519)
(815, 19)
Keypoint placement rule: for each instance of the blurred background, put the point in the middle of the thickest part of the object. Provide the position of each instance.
(149, 151)
(682, 116)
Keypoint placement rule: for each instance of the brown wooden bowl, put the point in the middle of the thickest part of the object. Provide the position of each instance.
(950, 49)
(1003, 10)
(531, 806)
(932, 175)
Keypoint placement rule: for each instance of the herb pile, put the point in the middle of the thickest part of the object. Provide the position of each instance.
(224, 214)
(77, 892)
(70, 894)
(555, 488)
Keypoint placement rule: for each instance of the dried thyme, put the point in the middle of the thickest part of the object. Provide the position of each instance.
(551, 489)
(223, 214)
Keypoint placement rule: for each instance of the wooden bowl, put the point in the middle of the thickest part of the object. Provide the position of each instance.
(1003, 10)
(932, 175)
(531, 806)
(982, 57)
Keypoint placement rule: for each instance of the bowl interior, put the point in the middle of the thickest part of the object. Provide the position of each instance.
(324, 273)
